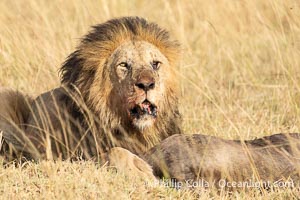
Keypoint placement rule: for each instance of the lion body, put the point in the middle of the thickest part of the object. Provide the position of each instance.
(104, 100)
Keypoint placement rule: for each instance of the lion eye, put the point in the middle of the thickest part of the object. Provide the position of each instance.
(156, 65)
(125, 65)
(123, 69)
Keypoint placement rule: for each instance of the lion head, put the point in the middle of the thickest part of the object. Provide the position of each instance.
(124, 70)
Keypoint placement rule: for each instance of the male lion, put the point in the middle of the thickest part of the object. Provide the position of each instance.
(118, 90)
(118, 102)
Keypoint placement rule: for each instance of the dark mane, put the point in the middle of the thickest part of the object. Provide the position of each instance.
(104, 38)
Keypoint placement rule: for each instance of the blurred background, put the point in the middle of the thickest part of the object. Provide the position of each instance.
(240, 70)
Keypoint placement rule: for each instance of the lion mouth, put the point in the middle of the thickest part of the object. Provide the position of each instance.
(145, 108)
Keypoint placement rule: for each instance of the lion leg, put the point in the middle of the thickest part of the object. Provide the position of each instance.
(128, 163)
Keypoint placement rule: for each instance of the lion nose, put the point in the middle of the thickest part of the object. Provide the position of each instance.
(145, 84)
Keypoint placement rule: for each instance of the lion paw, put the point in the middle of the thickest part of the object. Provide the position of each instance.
(129, 164)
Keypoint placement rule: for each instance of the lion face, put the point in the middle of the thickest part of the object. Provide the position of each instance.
(124, 74)
(138, 72)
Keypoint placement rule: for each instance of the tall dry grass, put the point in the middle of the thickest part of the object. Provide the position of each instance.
(240, 78)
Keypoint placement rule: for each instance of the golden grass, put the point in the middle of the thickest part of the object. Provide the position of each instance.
(240, 78)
